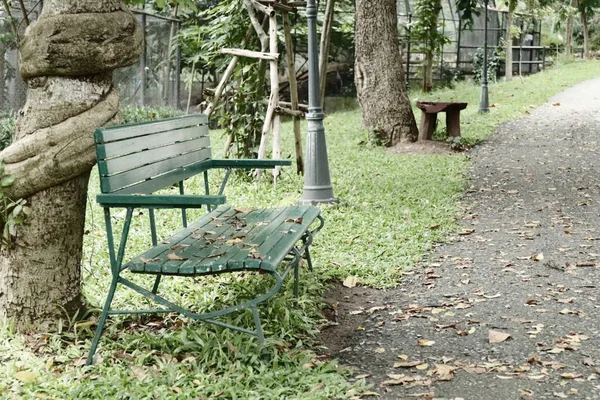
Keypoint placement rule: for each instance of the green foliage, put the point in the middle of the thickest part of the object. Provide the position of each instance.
(425, 30)
(13, 213)
(467, 10)
(7, 130)
(493, 64)
(135, 114)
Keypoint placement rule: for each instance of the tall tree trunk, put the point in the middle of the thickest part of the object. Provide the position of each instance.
(508, 64)
(586, 35)
(569, 33)
(67, 58)
(386, 110)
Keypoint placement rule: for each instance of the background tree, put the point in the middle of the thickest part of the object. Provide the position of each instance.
(386, 110)
(66, 58)
(426, 32)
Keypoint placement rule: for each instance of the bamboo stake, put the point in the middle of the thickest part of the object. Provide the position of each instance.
(289, 111)
(228, 72)
(267, 10)
(324, 54)
(273, 99)
(262, 36)
(250, 54)
(293, 83)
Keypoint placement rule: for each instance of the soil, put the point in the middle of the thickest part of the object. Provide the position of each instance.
(508, 308)
(422, 147)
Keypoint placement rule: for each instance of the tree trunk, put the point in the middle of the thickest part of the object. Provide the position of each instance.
(67, 58)
(386, 110)
(508, 64)
(586, 35)
(569, 33)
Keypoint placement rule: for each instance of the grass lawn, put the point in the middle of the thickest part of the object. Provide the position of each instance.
(392, 210)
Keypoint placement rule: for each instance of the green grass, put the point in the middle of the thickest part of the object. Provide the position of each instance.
(392, 210)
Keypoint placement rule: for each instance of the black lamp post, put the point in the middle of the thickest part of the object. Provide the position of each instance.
(484, 103)
(317, 182)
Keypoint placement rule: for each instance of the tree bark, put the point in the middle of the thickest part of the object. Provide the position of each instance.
(586, 35)
(508, 64)
(67, 57)
(386, 110)
(569, 33)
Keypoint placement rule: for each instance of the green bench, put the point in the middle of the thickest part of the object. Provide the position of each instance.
(137, 161)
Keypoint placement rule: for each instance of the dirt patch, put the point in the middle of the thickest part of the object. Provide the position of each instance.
(422, 147)
(346, 310)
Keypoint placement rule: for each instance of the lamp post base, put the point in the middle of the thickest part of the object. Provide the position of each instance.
(484, 103)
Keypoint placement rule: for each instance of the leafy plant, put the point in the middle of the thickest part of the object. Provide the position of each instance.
(493, 64)
(135, 114)
(12, 212)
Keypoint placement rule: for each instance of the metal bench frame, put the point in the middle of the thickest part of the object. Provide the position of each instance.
(118, 191)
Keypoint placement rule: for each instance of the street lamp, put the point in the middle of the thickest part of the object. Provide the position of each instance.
(317, 182)
(484, 103)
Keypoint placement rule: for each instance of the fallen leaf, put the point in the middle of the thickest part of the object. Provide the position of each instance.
(570, 375)
(407, 364)
(25, 376)
(444, 372)
(560, 395)
(566, 301)
(149, 260)
(175, 257)
(380, 350)
(497, 337)
(425, 343)
(138, 372)
(538, 257)
(422, 367)
(350, 281)
(243, 210)
(466, 232)
(493, 296)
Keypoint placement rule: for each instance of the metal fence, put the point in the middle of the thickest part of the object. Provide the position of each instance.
(154, 81)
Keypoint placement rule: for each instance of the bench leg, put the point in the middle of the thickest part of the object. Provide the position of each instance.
(259, 332)
(308, 259)
(102, 321)
(427, 125)
(296, 278)
(453, 123)
(156, 283)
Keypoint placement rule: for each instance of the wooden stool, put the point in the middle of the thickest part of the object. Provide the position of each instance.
(430, 109)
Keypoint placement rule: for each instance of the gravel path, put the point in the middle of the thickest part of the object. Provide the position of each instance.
(526, 265)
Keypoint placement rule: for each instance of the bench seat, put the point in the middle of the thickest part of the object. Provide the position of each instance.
(228, 240)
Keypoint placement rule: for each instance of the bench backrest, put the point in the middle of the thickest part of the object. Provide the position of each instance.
(146, 157)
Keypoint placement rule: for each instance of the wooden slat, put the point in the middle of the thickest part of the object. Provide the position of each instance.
(136, 144)
(128, 178)
(159, 182)
(120, 132)
(279, 244)
(137, 265)
(159, 201)
(241, 260)
(136, 160)
(250, 231)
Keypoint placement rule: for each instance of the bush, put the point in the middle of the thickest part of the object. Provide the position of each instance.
(7, 129)
(136, 114)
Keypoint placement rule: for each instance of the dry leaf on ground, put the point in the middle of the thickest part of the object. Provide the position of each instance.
(497, 337)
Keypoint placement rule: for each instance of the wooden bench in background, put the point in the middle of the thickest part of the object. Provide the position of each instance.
(136, 161)
(429, 112)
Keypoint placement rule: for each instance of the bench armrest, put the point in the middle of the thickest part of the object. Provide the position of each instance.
(158, 201)
(248, 163)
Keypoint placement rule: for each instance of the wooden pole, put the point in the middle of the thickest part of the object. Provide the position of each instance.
(324, 51)
(273, 102)
(251, 54)
(291, 63)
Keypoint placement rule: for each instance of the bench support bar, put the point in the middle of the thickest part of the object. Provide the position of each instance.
(295, 257)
